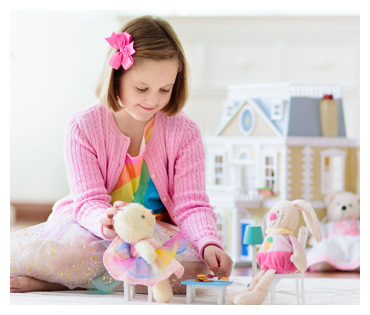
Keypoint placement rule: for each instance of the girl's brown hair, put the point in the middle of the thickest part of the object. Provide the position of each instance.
(154, 39)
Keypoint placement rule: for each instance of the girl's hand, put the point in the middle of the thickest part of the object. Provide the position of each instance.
(107, 221)
(218, 261)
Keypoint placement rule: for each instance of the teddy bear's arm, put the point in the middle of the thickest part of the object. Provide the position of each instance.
(146, 251)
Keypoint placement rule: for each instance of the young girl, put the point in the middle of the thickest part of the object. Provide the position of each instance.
(136, 145)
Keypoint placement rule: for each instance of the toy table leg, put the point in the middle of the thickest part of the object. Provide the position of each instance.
(190, 294)
(221, 295)
(193, 293)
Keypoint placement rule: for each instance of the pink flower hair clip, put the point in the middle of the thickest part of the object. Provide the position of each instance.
(121, 41)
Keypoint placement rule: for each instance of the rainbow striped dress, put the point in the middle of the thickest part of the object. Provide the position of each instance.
(135, 183)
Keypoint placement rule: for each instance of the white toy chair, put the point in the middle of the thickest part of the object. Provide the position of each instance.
(299, 276)
(129, 292)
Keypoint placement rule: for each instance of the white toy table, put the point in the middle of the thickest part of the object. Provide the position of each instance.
(192, 285)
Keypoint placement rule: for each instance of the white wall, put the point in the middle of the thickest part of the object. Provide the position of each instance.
(57, 56)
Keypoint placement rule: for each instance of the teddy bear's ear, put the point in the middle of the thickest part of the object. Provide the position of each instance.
(329, 198)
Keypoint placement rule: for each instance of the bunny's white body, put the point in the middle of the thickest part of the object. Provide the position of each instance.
(280, 252)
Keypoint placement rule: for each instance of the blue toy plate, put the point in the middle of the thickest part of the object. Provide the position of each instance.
(214, 283)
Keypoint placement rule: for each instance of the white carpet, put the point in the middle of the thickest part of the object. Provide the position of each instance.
(318, 291)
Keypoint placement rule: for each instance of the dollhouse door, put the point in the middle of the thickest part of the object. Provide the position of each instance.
(244, 251)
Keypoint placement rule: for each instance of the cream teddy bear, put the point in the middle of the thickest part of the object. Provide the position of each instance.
(340, 248)
(134, 256)
(280, 251)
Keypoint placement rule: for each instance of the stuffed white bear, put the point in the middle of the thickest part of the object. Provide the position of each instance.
(134, 256)
(340, 248)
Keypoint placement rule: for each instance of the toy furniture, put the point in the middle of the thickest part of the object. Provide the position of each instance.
(192, 285)
(129, 292)
(299, 276)
(280, 252)
(253, 236)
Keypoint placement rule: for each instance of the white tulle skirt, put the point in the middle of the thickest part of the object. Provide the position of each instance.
(61, 251)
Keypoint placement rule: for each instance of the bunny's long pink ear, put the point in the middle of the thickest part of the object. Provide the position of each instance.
(310, 217)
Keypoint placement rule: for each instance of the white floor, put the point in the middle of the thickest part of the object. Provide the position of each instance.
(318, 291)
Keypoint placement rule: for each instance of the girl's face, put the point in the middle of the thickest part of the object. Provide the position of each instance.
(146, 87)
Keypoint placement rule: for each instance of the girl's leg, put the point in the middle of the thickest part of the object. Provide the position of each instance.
(72, 265)
(54, 256)
(27, 284)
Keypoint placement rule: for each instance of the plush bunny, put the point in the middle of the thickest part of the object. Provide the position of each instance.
(280, 251)
(340, 248)
(134, 256)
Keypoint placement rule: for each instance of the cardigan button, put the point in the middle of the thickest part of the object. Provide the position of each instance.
(153, 176)
(164, 199)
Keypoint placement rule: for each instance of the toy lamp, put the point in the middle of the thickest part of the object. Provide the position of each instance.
(253, 236)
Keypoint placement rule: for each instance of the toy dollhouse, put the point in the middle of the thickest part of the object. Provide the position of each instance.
(270, 146)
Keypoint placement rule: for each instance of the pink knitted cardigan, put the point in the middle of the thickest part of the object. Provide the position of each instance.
(95, 151)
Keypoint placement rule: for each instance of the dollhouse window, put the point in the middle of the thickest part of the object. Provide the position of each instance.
(277, 109)
(246, 170)
(269, 171)
(332, 171)
(247, 120)
(219, 169)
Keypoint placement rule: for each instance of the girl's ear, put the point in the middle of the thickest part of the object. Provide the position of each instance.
(310, 217)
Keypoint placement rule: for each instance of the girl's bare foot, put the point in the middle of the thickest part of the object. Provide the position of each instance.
(27, 284)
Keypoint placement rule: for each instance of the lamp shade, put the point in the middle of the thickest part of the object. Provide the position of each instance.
(253, 235)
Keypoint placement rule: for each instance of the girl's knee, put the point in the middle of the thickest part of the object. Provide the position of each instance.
(80, 262)
(74, 263)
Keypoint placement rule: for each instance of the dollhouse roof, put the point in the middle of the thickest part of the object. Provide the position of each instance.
(292, 110)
